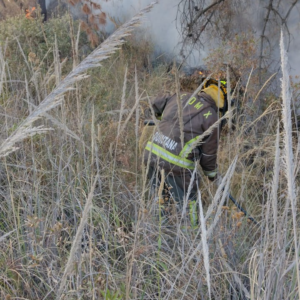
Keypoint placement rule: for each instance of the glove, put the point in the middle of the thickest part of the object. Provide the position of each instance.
(148, 113)
(212, 179)
(216, 179)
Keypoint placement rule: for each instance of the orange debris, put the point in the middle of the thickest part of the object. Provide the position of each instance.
(29, 13)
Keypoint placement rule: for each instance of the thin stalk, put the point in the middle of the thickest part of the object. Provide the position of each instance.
(289, 156)
(229, 100)
(75, 244)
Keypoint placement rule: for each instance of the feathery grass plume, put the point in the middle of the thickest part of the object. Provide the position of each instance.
(108, 47)
(288, 144)
(276, 178)
(204, 244)
(77, 239)
(62, 126)
(8, 146)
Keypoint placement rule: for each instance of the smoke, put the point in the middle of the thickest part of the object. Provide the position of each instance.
(257, 13)
(294, 47)
(160, 27)
(48, 2)
(160, 23)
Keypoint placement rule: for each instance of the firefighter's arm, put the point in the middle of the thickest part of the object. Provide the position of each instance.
(159, 104)
(209, 148)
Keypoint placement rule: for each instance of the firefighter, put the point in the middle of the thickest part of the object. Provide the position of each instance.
(165, 150)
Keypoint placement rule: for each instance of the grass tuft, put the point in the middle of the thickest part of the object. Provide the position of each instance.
(77, 219)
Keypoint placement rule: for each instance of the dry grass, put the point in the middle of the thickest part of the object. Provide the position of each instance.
(76, 218)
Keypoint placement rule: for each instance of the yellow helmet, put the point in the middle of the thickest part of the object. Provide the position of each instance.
(223, 88)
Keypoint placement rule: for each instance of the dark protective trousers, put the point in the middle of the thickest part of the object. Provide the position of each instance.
(175, 190)
(175, 185)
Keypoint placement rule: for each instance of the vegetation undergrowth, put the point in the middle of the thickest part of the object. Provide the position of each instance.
(76, 218)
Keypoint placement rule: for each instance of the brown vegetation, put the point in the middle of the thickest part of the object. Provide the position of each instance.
(76, 217)
(13, 8)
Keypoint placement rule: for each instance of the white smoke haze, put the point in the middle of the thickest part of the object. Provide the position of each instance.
(162, 28)
(294, 48)
(160, 22)
(258, 9)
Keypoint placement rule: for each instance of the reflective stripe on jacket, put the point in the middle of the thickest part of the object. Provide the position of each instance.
(198, 114)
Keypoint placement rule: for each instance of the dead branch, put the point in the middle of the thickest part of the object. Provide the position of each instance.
(262, 38)
(289, 11)
(201, 13)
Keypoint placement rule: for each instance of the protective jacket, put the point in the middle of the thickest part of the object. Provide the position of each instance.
(166, 150)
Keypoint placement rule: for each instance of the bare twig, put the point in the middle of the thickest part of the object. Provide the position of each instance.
(201, 13)
(262, 38)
